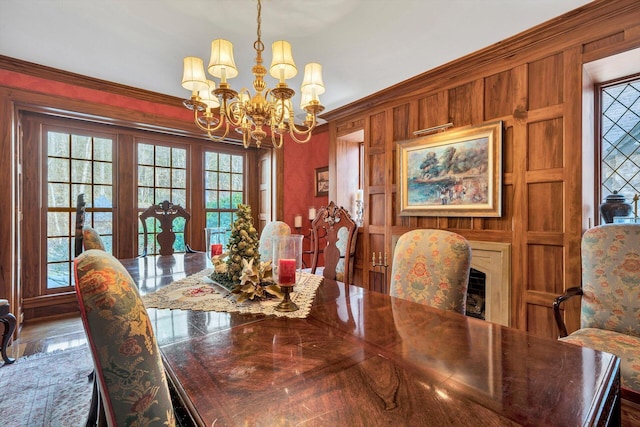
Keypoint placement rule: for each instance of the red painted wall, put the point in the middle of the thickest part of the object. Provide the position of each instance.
(300, 163)
(300, 160)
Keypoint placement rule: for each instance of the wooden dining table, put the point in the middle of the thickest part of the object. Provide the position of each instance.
(363, 358)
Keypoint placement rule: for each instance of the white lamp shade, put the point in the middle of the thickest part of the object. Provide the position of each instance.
(282, 65)
(287, 109)
(221, 64)
(312, 80)
(306, 96)
(209, 98)
(193, 77)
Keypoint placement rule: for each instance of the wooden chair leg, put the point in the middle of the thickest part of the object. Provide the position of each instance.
(92, 418)
(9, 321)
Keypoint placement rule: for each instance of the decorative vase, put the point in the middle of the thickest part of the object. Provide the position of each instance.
(615, 205)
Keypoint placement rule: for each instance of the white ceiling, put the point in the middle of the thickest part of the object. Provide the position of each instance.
(363, 45)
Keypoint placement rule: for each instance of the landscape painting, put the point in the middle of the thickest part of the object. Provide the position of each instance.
(453, 173)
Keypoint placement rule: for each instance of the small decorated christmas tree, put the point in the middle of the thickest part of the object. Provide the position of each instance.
(240, 269)
(243, 243)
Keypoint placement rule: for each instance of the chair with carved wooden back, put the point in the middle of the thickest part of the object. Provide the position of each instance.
(80, 213)
(165, 213)
(432, 267)
(334, 234)
(610, 299)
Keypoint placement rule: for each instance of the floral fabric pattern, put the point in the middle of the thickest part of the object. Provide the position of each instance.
(626, 347)
(432, 267)
(611, 278)
(91, 239)
(271, 230)
(126, 356)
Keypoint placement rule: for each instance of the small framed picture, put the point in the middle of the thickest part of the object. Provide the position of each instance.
(322, 181)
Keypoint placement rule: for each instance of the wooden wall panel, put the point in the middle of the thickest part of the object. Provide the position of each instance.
(545, 268)
(433, 110)
(377, 169)
(401, 123)
(499, 95)
(546, 204)
(545, 144)
(545, 82)
(465, 104)
(376, 212)
(377, 134)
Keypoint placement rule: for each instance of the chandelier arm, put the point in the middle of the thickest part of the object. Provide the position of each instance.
(221, 138)
(279, 140)
(293, 128)
(207, 129)
(295, 138)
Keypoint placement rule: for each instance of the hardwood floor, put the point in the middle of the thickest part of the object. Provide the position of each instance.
(48, 336)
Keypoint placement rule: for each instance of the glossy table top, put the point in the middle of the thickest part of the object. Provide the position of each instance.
(365, 358)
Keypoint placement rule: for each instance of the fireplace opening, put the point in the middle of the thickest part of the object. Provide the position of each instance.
(476, 294)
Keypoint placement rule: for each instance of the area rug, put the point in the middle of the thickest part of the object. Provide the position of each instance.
(48, 390)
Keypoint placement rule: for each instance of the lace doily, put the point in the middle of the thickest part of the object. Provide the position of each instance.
(199, 292)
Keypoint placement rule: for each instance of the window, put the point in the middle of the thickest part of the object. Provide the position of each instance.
(620, 138)
(162, 175)
(223, 188)
(77, 162)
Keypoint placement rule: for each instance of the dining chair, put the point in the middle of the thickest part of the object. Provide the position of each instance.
(432, 267)
(166, 213)
(132, 384)
(334, 235)
(609, 297)
(80, 214)
(91, 239)
(271, 230)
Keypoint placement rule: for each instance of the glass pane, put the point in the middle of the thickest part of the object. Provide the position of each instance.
(103, 149)
(58, 195)
(179, 197)
(108, 243)
(81, 188)
(236, 182)
(225, 181)
(58, 249)
(102, 173)
(81, 147)
(145, 176)
(225, 163)
(103, 223)
(58, 224)
(163, 177)
(145, 197)
(213, 219)
(178, 225)
(211, 180)
(179, 159)
(57, 144)
(103, 196)
(224, 200)
(58, 275)
(57, 170)
(163, 156)
(211, 161)
(179, 179)
(145, 154)
(236, 199)
(162, 194)
(81, 171)
(226, 219)
(236, 164)
(211, 199)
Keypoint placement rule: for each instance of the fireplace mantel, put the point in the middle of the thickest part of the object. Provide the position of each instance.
(494, 260)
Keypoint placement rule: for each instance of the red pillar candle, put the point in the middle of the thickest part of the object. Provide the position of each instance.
(216, 249)
(286, 272)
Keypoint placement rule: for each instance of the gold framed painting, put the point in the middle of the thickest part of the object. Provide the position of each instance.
(453, 173)
(322, 181)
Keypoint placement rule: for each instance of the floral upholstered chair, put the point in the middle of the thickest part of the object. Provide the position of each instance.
(610, 297)
(432, 267)
(131, 379)
(271, 230)
(91, 239)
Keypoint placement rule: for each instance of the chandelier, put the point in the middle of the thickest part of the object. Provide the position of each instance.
(221, 107)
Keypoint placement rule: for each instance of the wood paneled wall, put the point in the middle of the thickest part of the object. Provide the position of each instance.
(533, 83)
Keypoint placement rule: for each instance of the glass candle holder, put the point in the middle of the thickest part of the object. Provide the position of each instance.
(214, 239)
(287, 266)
